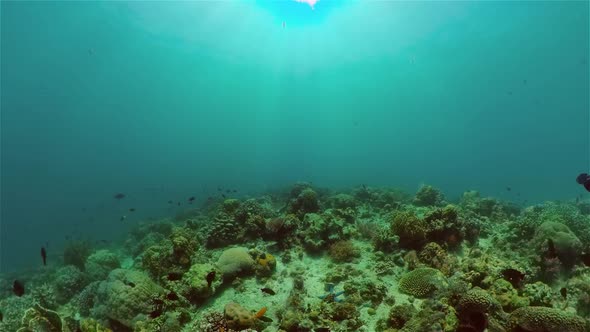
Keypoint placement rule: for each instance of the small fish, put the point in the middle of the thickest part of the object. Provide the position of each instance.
(170, 202)
(223, 195)
(210, 277)
(178, 203)
(582, 177)
(119, 196)
(18, 288)
(219, 189)
(322, 329)
(586, 259)
(44, 256)
(284, 24)
(1, 316)
(174, 276)
(265, 319)
(129, 283)
(192, 198)
(563, 292)
(267, 291)
(228, 191)
(508, 189)
(132, 210)
(210, 198)
(513, 276)
(123, 218)
(235, 190)
(172, 296)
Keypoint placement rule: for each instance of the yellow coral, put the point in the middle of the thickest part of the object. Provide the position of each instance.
(267, 260)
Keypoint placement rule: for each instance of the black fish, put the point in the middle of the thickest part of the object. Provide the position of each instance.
(267, 291)
(587, 185)
(265, 319)
(582, 178)
(1, 316)
(513, 276)
(551, 252)
(132, 210)
(322, 329)
(44, 256)
(156, 313)
(210, 277)
(192, 198)
(563, 292)
(18, 288)
(174, 276)
(130, 284)
(235, 190)
(172, 296)
(119, 196)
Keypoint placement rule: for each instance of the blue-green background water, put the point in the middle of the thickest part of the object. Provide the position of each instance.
(165, 100)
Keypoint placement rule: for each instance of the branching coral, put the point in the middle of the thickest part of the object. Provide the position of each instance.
(428, 196)
(76, 252)
(343, 251)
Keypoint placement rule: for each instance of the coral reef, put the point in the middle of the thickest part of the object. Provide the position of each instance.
(126, 296)
(365, 258)
(545, 319)
(343, 251)
(421, 282)
(100, 263)
(428, 196)
(39, 319)
(410, 229)
(234, 262)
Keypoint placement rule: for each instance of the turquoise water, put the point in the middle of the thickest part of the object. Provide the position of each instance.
(165, 100)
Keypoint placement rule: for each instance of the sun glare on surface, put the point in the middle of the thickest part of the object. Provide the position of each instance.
(311, 3)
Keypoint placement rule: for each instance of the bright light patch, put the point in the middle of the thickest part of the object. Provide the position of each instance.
(311, 3)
